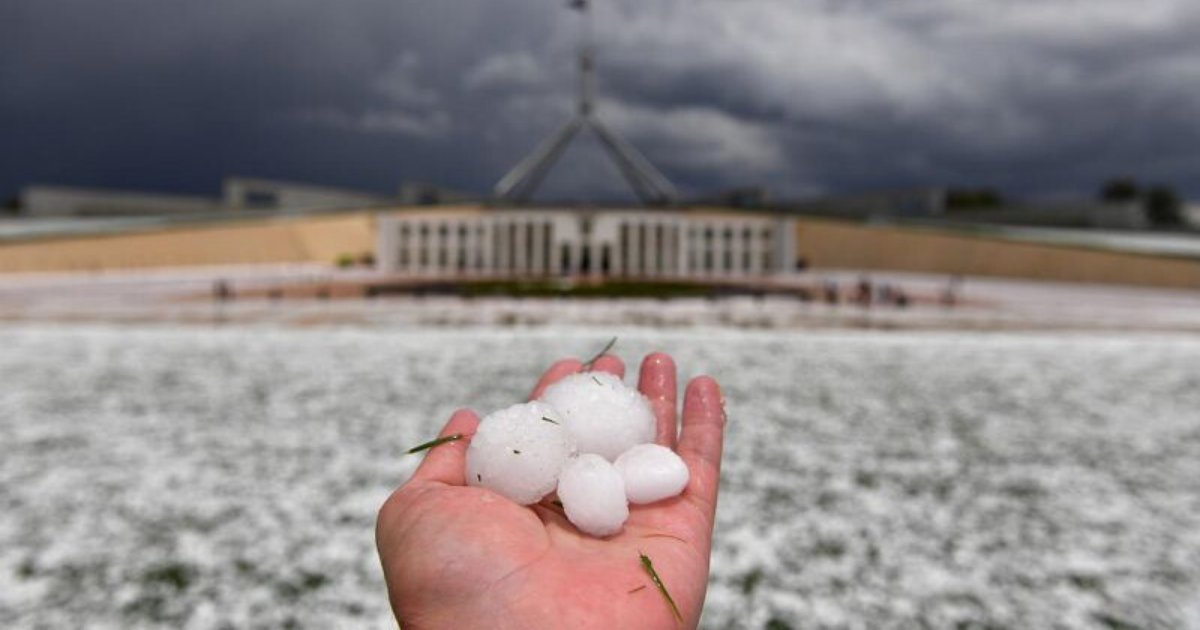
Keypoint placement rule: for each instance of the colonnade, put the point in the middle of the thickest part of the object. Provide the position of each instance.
(616, 243)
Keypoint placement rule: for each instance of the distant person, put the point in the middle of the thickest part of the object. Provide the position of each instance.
(222, 292)
(831, 292)
(464, 558)
(865, 293)
(950, 293)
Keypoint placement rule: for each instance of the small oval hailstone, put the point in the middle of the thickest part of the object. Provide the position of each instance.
(603, 414)
(519, 451)
(651, 473)
(593, 495)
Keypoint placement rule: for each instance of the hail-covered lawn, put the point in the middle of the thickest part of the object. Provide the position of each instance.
(200, 477)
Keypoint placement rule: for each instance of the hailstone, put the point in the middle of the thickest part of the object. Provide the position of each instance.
(652, 473)
(603, 414)
(593, 495)
(519, 451)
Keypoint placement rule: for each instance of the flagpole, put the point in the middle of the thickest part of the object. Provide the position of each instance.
(646, 181)
(587, 73)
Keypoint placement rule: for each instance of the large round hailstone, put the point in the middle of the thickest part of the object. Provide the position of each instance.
(652, 473)
(604, 415)
(593, 495)
(519, 451)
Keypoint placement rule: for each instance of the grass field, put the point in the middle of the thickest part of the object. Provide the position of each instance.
(196, 477)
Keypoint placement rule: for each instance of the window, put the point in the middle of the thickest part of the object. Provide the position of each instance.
(623, 247)
(767, 259)
(659, 249)
(727, 250)
(512, 247)
(643, 265)
(747, 240)
(443, 246)
(260, 198)
(530, 239)
(478, 264)
(708, 249)
(402, 253)
(423, 245)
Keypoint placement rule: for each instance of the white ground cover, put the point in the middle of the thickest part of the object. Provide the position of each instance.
(229, 477)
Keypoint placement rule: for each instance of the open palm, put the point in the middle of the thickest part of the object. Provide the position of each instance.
(464, 557)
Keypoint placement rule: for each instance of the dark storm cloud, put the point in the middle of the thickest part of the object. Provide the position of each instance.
(1036, 97)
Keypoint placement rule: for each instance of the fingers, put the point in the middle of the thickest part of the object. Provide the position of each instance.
(609, 363)
(446, 463)
(563, 368)
(701, 440)
(566, 367)
(657, 383)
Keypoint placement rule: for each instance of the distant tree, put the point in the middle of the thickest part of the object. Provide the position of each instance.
(1163, 207)
(1120, 190)
(973, 198)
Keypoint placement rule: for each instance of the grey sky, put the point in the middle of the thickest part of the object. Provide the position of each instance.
(1040, 97)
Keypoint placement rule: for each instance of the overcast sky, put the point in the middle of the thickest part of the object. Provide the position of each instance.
(1035, 97)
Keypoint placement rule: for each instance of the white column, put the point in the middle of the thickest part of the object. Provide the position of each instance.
(676, 232)
(510, 236)
(412, 240)
(648, 248)
(711, 247)
(485, 246)
(735, 246)
(503, 262)
(452, 243)
(472, 246)
(755, 251)
(681, 247)
(440, 242)
(715, 248)
(432, 247)
(419, 244)
(520, 247)
(653, 251)
(540, 230)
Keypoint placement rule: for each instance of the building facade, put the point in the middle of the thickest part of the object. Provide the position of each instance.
(622, 243)
(238, 194)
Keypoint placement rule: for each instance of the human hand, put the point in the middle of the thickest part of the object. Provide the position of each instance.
(462, 557)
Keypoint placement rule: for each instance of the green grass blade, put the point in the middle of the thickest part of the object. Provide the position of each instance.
(432, 443)
(649, 567)
(587, 365)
